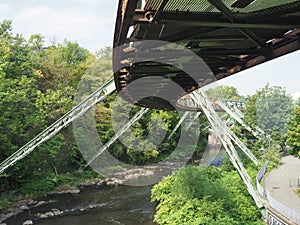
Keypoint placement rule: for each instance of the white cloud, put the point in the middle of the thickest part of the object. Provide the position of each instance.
(296, 95)
(91, 2)
(32, 13)
(87, 27)
(5, 7)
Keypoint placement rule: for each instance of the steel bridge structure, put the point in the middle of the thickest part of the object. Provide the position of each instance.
(228, 35)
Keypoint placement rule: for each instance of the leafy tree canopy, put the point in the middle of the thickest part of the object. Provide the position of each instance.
(293, 134)
(200, 196)
(270, 109)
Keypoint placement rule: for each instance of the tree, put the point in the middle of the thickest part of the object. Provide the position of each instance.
(270, 109)
(36, 42)
(297, 102)
(14, 53)
(36, 88)
(20, 118)
(5, 28)
(204, 195)
(293, 134)
(223, 92)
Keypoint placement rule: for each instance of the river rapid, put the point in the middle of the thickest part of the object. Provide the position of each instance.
(122, 205)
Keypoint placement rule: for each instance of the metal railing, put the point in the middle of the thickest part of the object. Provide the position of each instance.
(282, 208)
(259, 177)
(227, 138)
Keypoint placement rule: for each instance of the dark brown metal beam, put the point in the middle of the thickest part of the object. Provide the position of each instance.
(155, 16)
(140, 17)
(231, 17)
(284, 49)
(126, 11)
(225, 52)
(188, 23)
(189, 33)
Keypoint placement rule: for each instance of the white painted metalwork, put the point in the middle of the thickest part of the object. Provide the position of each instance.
(242, 146)
(236, 114)
(184, 116)
(135, 118)
(57, 126)
(221, 130)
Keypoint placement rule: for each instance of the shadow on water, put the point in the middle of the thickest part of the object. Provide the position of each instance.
(123, 205)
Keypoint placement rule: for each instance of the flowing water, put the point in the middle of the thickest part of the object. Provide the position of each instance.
(123, 205)
(101, 205)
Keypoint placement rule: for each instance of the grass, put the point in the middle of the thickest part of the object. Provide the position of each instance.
(43, 185)
(297, 191)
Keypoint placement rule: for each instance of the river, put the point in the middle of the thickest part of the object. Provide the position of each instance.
(123, 205)
(101, 205)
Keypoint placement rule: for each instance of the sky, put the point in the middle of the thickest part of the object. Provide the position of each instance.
(91, 24)
(88, 22)
(283, 71)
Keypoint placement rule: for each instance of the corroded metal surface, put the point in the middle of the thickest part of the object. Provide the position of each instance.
(228, 39)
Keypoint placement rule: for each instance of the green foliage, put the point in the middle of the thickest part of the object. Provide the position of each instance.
(293, 134)
(297, 102)
(198, 195)
(271, 109)
(273, 155)
(46, 182)
(152, 123)
(36, 42)
(37, 188)
(37, 85)
(5, 204)
(223, 92)
(297, 191)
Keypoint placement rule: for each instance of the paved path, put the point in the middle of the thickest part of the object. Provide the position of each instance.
(283, 181)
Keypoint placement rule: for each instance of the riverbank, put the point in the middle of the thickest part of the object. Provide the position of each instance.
(121, 205)
(126, 176)
(19, 204)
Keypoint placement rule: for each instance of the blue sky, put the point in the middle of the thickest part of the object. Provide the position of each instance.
(91, 24)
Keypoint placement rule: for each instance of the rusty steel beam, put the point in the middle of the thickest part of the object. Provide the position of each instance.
(228, 41)
(276, 52)
(126, 11)
(202, 23)
(140, 17)
(232, 17)
(155, 16)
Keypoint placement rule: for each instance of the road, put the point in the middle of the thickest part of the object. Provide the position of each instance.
(283, 181)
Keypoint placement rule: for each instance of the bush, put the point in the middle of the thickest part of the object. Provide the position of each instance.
(5, 204)
(38, 187)
(200, 196)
